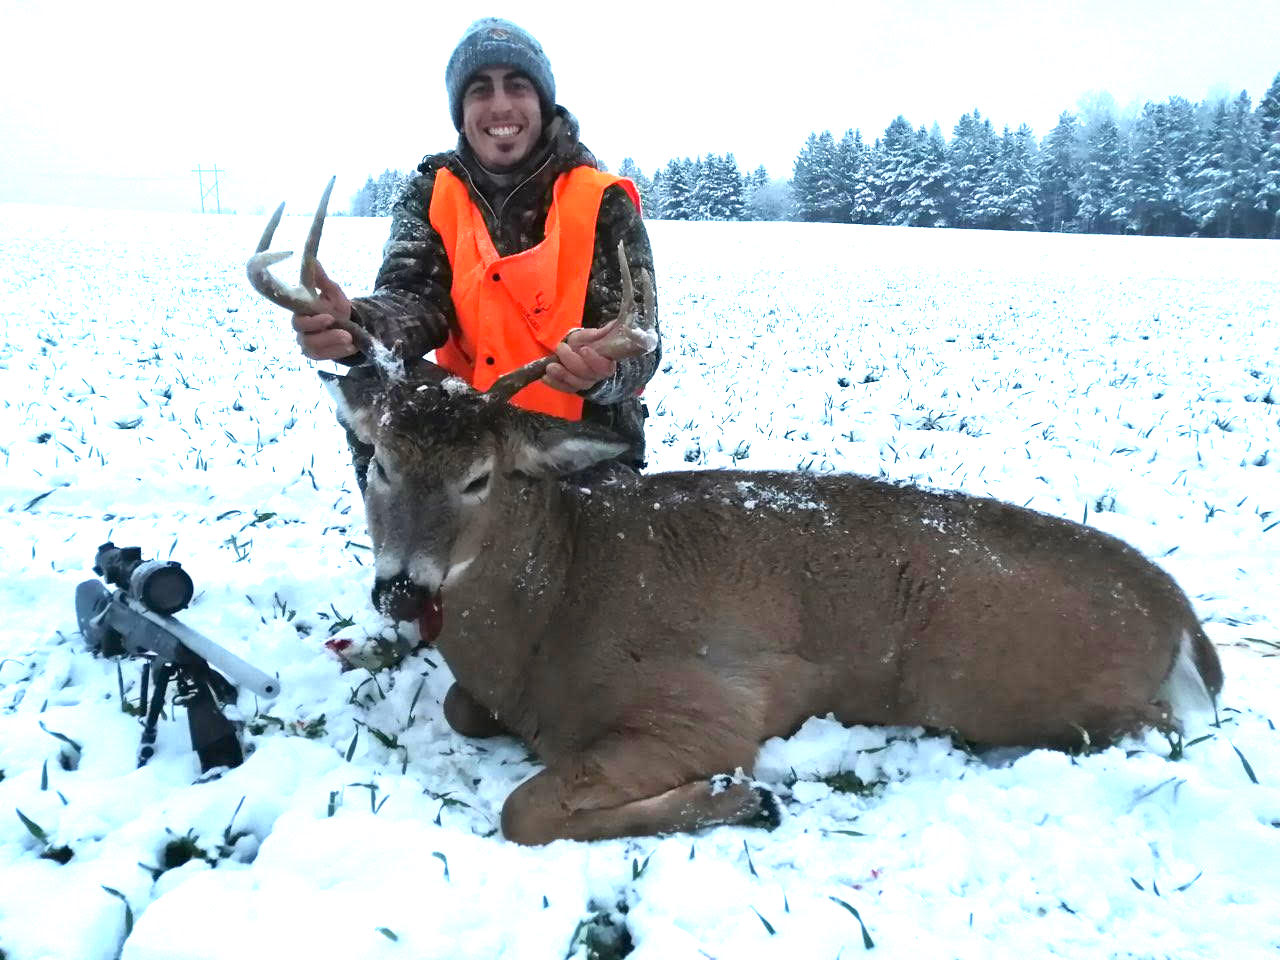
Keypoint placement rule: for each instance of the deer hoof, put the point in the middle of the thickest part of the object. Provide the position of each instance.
(768, 812)
(770, 815)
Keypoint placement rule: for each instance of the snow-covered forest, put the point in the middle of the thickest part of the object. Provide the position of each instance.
(1175, 169)
(1212, 169)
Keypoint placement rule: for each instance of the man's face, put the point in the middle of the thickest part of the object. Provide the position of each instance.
(501, 117)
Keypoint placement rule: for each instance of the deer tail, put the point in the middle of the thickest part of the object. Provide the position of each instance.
(1195, 680)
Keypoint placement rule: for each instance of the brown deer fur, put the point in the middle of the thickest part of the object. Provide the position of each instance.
(647, 633)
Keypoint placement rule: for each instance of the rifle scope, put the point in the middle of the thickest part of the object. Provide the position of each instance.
(159, 585)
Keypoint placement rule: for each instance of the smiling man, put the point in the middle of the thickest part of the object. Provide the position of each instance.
(504, 250)
(501, 117)
(465, 216)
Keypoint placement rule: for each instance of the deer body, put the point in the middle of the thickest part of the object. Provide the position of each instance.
(644, 635)
(647, 633)
(772, 597)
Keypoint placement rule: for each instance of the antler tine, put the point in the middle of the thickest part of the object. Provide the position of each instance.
(300, 299)
(624, 339)
(308, 275)
(625, 305)
(270, 232)
(509, 384)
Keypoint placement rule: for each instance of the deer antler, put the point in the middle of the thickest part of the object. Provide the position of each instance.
(302, 298)
(623, 337)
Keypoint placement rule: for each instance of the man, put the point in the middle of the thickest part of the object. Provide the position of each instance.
(451, 274)
(504, 250)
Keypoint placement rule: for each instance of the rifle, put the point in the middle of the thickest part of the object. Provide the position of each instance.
(136, 620)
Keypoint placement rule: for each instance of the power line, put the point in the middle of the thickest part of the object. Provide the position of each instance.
(200, 172)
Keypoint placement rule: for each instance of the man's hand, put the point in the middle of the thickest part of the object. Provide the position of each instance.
(318, 336)
(578, 365)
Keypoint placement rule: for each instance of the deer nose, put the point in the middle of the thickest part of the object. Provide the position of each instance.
(399, 597)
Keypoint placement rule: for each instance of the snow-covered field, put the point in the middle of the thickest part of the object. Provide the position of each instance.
(149, 397)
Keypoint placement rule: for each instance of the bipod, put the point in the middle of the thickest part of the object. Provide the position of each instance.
(199, 689)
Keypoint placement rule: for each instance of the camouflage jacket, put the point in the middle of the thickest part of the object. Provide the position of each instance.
(411, 300)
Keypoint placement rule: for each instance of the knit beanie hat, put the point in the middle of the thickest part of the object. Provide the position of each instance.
(494, 42)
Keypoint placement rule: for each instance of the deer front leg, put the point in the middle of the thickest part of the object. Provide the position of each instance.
(602, 805)
(536, 812)
(468, 716)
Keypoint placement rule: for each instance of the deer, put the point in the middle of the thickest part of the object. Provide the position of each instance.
(645, 635)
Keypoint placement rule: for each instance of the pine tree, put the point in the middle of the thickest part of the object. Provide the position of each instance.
(963, 172)
(677, 189)
(362, 202)
(1015, 189)
(1143, 182)
(804, 177)
(1206, 203)
(830, 198)
(389, 185)
(819, 197)
(1059, 169)
(895, 171)
(1098, 186)
(935, 180)
(644, 186)
(732, 189)
(700, 194)
(1181, 136)
(699, 172)
(863, 199)
(848, 172)
(1224, 202)
(379, 195)
(1269, 111)
(1269, 187)
(1268, 119)
(654, 211)
(717, 191)
(753, 187)
(1161, 145)
(986, 204)
(923, 197)
(972, 158)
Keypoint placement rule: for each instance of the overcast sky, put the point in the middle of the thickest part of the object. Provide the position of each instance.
(116, 104)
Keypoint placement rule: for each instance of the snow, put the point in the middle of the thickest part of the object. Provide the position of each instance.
(151, 398)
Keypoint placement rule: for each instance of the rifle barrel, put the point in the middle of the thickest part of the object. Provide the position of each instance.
(240, 672)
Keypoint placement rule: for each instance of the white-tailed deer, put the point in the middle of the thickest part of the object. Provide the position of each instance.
(646, 634)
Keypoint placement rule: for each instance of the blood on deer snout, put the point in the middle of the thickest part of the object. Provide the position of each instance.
(399, 597)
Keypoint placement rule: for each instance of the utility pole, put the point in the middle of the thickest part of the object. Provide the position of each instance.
(199, 171)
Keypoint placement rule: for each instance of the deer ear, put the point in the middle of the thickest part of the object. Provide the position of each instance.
(556, 448)
(354, 396)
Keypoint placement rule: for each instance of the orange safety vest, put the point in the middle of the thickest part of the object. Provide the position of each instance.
(516, 309)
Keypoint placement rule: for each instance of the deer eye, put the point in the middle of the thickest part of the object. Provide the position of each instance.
(477, 485)
(378, 472)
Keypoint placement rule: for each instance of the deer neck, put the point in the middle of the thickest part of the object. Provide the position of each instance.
(497, 608)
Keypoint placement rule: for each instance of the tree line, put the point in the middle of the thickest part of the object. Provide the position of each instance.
(378, 194)
(1176, 169)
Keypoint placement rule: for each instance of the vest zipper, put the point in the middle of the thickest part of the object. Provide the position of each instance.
(503, 206)
(475, 191)
(497, 216)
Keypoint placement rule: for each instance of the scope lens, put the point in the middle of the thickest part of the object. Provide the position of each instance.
(162, 587)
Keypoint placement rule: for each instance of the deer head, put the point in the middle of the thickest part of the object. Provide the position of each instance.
(445, 458)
